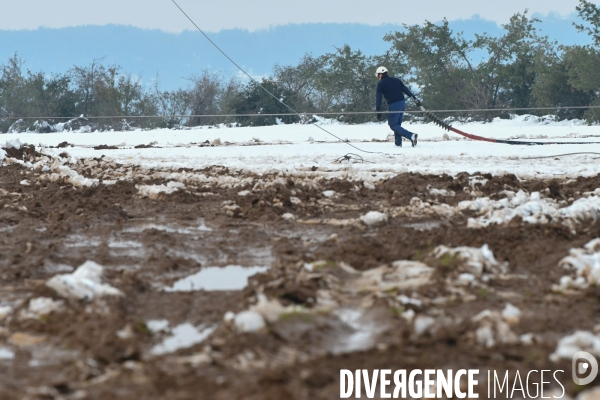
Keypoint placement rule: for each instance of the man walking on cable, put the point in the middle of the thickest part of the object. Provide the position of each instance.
(393, 90)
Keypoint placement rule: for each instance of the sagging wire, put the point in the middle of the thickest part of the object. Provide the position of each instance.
(562, 155)
(265, 89)
(351, 157)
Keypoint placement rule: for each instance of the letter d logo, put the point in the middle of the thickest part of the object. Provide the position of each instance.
(583, 364)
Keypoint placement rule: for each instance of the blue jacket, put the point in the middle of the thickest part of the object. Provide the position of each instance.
(392, 89)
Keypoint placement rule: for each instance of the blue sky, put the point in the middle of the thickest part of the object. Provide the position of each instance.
(173, 56)
(252, 15)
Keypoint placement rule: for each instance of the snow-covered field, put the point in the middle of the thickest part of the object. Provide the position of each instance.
(220, 262)
(298, 148)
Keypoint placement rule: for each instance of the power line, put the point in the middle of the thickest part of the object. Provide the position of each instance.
(265, 89)
(561, 155)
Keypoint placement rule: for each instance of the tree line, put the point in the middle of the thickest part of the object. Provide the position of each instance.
(522, 68)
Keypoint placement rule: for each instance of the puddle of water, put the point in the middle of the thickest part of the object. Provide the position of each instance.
(123, 244)
(82, 241)
(254, 255)
(6, 354)
(231, 277)
(187, 230)
(126, 248)
(424, 226)
(183, 336)
(127, 252)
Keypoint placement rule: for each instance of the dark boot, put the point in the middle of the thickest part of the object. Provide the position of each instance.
(413, 139)
(398, 139)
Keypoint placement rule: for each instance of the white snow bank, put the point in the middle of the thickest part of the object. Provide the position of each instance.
(532, 208)
(60, 171)
(83, 284)
(578, 341)
(585, 263)
(154, 191)
(13, 144)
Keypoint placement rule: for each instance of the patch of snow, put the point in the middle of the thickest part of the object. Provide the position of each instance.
(511, 314)
(6, 354)
(585, 263)
(422, 324)
(182, 336)
(288, 217)
(5, 311)
(476, 261)
(578, 341)
(84, 283)
(362, 336)
(41, 306)
(531, 208)
(399, 275)
(154, 191)
(374, 218)
(248, 321)
(13, 144)
(157, 325)
(493, 329)
(441, 192)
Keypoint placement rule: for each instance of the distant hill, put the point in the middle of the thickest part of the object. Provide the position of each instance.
(173, 57)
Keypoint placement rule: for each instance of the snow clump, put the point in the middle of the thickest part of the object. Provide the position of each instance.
(154, 191)
(13, 144)
(475, 261)
(374, 218)
(494, 327)
(585, 263)
(256, 317)
(41, 306)
(83, 284)
(532, 208)
(401, 275)
(578, 341)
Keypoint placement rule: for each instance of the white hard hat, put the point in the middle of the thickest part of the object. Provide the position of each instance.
(381, 70)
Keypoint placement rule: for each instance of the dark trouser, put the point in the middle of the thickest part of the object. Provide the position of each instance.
(395, 122)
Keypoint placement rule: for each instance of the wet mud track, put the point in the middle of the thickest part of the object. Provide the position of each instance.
(346, 274)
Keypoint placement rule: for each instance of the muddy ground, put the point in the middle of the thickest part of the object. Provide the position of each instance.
(317, 250)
